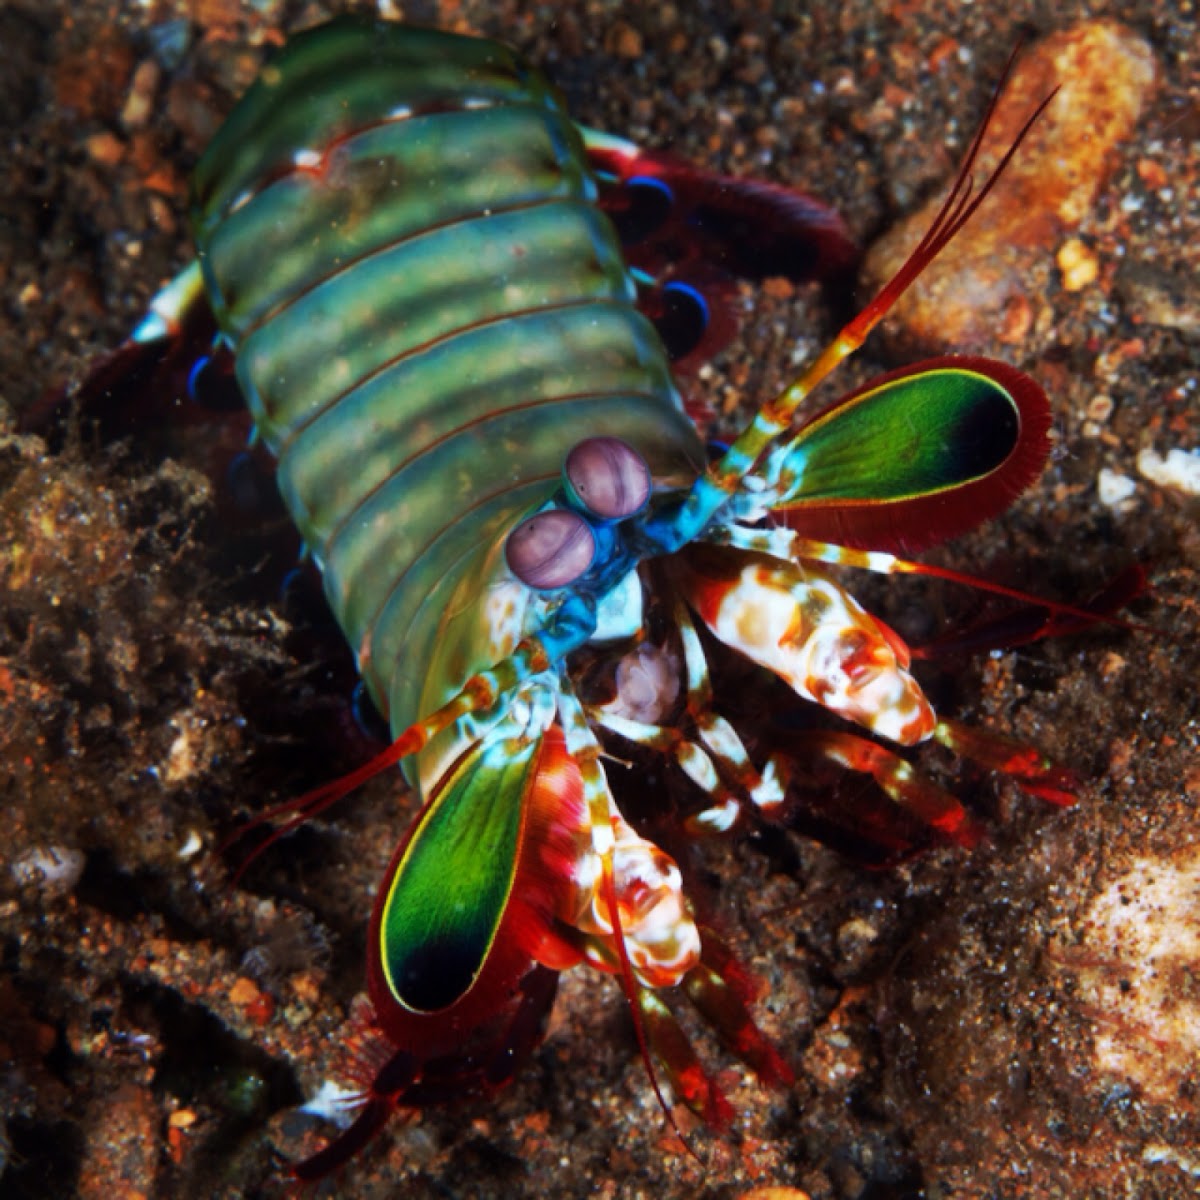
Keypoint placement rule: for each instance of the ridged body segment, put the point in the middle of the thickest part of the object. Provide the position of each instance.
(398, 233)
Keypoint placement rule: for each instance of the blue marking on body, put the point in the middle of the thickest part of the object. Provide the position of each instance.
(650, 182)
(570, 626)
(193, 378)
(686, 289)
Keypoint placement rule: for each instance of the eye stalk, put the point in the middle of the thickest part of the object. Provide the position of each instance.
(551, 549)
(607, 477)
(605, 481)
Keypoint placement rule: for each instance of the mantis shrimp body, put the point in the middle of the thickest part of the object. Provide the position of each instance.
(448, 320)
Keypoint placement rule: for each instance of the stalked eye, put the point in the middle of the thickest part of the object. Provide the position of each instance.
(550, 549)
(608, 477)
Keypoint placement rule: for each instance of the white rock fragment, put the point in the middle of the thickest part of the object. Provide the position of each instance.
(1138, 956)
(1158, 1153)
(1114, 489)
(53, 869)
(191, 846)
(1179, 470)
(181, 760)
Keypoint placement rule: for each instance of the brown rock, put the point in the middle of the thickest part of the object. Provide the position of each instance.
(90, 81)
(1078, 264)
(775, 1193)
(1106, 74)
(121, 1158)
(624, 40)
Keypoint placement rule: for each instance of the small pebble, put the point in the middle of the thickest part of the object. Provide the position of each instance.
(139, 103)
(55, 869)
(1078, 264)
(624, 41)
(1179, 470)
(1158, 296)
(774, 1193)
(1113, 489)
(105, 149)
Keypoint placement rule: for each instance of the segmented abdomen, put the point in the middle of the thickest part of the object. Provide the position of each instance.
(398, 233)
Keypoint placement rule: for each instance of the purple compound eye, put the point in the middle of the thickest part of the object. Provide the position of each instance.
(609, 477)
(550, 549)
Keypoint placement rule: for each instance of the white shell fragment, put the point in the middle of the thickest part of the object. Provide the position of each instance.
(1113, 489)
(1179, 470)
(54, 869)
